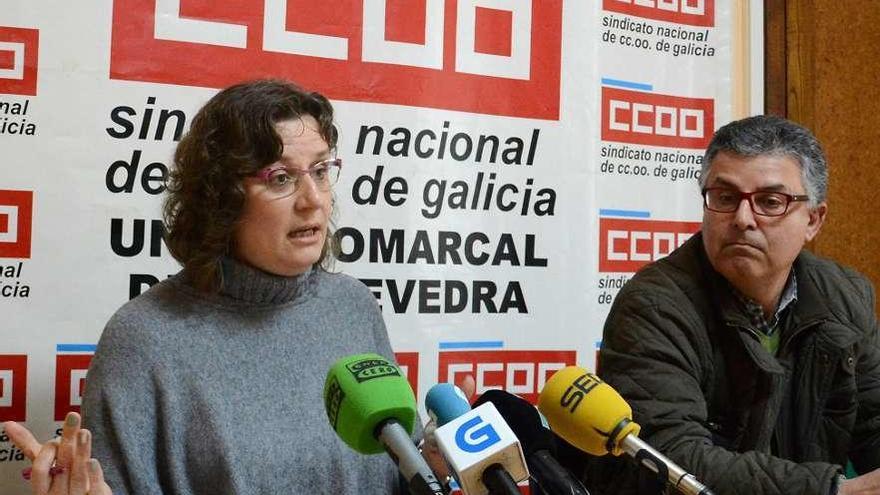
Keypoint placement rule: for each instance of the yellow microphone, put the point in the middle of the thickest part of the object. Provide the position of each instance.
(595, 428)
(589, 414)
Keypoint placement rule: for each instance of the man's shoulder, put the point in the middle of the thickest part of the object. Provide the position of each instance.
(842, 288)
(680, 273)
(827, 268)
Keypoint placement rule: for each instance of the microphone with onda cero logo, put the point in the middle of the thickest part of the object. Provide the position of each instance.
(372, 408)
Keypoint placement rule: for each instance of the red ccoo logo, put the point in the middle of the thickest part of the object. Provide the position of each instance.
(470, 55)
(523, 373)
(70, 382)
(18, 60)
(13, 387)
(655, 119)
(625, 245)
(409, 364)
(16, 209)
(693, 12)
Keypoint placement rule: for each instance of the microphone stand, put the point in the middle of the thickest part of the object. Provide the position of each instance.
(499, 481)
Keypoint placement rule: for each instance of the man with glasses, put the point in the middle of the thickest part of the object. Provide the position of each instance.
(747, 360)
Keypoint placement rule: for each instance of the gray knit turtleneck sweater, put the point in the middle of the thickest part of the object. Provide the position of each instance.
(213, 394)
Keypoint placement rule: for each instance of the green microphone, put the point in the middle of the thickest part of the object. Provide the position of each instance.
(372, 408)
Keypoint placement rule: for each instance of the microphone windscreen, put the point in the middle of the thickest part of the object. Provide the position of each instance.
(446, 402)
(586, 412)
(363, 391)
(523, 419)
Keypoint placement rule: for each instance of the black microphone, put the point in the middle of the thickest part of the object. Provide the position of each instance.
(536, 442)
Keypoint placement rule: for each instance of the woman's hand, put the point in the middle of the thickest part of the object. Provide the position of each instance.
(61, 466)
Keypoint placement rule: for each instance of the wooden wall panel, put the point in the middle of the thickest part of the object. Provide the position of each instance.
(832, 85)
(775, 87)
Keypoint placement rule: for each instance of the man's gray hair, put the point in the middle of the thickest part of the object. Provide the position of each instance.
(772, 135)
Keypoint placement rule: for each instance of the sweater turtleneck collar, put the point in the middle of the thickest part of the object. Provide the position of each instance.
(254, 286)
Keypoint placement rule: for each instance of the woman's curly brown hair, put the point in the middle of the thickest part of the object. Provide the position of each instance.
(231, 137)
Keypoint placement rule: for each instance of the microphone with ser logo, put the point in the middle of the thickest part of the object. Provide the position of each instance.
(587, 413)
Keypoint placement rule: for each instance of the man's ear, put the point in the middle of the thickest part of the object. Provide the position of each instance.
(817, 217)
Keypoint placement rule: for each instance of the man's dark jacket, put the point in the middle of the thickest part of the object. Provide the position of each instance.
(710, 397)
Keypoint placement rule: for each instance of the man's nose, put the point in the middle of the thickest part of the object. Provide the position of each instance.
(744, 215)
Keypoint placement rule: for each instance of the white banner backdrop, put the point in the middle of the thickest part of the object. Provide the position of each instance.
(508, 165)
